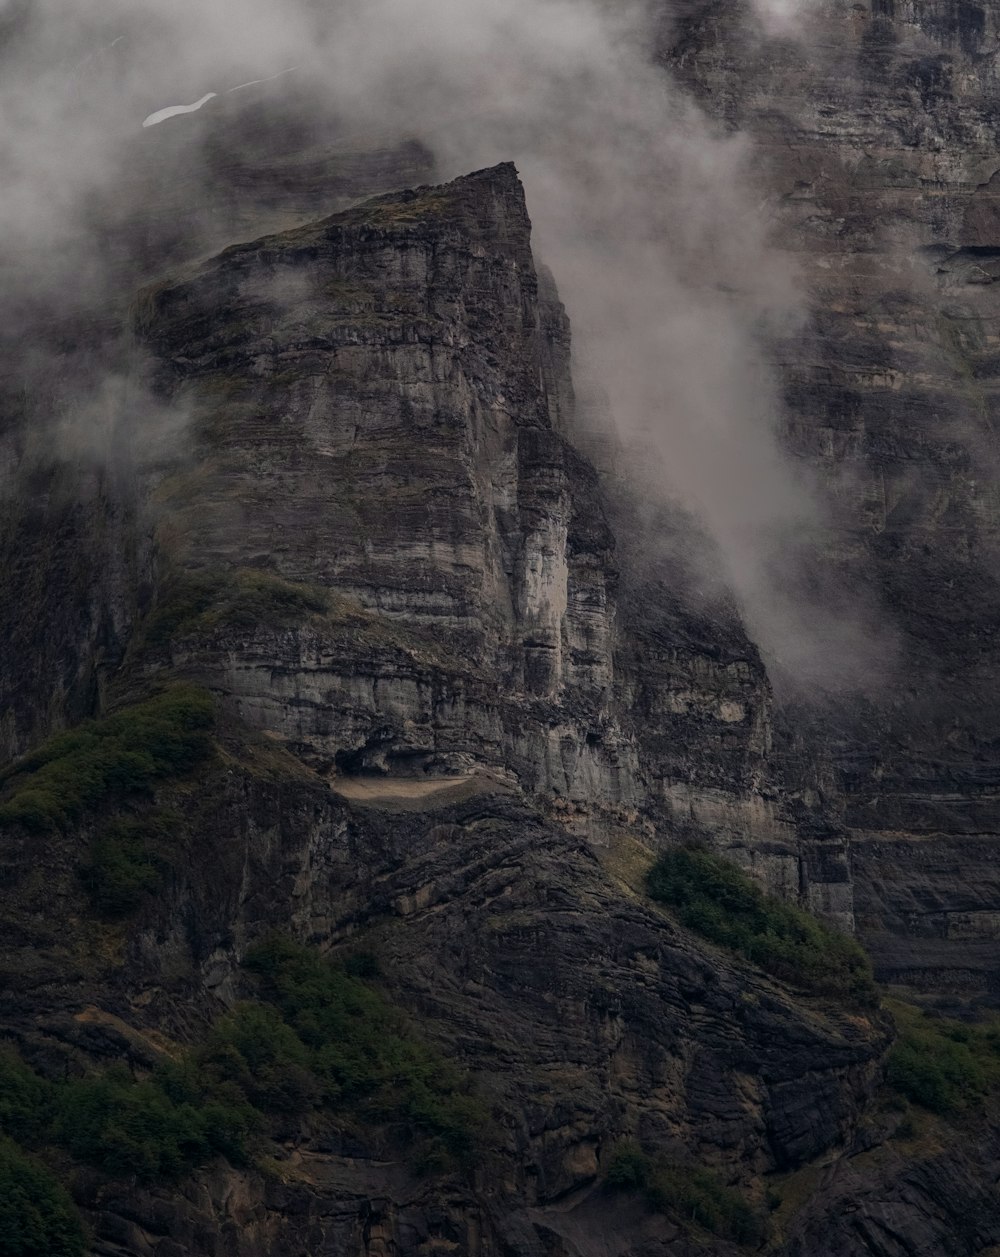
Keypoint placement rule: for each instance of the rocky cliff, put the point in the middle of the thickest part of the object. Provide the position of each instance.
(454, 716)
(878, 127)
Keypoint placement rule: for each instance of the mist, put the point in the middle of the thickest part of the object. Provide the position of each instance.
(652, 218)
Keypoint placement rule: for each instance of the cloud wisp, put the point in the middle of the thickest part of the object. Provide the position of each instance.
(653, 219)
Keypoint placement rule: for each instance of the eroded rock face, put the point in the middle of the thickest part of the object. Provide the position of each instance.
(877, 126)
(585, 1015)
(381, 405)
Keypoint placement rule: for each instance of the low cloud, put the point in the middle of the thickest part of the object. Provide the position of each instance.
(654, 220)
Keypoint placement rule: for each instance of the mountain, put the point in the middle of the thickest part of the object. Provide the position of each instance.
(386, 805)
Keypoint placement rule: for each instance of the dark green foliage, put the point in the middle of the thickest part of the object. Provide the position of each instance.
(253, 1049)
(363, 1054)
(717, 900)
(687, 1193)
(321, 1039)
(942, 1065)
(697, 1195)
(629, 1169)
(128, 862)
(127, 1128)
(202, 601)
(37, 1216)
(128, 751)
(154, 1129)
(25, 1099)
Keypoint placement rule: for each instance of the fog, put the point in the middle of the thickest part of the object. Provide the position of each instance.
(652, 218)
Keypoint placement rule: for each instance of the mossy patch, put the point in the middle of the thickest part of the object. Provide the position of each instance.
(119, 755)
(201, 602)
(717, 900)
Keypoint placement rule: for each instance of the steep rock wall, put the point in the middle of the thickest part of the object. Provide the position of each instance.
(877, 128)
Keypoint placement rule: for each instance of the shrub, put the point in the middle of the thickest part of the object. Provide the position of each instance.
(686, 1192)
(37, 1216)
(25, 1098)
(127, 863)
(697, 1195)
(365, 1056)
(124, 752)
(158, 1128)
(718, 901)
(254, 1049)
(127, 1127)
(940, 1064)
(629, 1168)
(320, 1038)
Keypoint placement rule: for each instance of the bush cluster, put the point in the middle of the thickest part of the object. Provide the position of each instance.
(125, 752)
(319, 1038)
(37, 1215)
(942, 1065)
(687, 1193)
(720, 902)
(154, 1129)
(129, 861)
(364, 1056)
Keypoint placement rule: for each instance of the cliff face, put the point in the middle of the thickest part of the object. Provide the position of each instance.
(377, 402)
(394, 572)
(457, 717)
(878, 129)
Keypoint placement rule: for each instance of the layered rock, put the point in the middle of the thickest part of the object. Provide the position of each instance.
(877, 129)
(380, 404)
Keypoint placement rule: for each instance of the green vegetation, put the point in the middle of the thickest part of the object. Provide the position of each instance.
(319, 1040)
(943, 1065)
(128, 863)
(122, 753)
(156, 1129)
(201, 601)
(37, 1216)
(718, 901)
(364, 1056)
(253, 1049)
(687, 1193)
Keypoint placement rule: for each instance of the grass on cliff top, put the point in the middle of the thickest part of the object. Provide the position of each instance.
(125, 752)
(193, 603)
(945, 1066)
(688, 1193)
(201, 601)
(717, 900)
